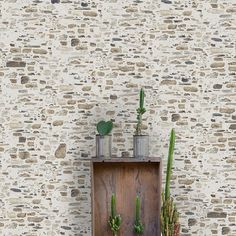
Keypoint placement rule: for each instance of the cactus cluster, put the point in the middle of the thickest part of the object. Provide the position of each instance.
(104, 128)
(169, 215)
(169, 218)
(114, 220)
(138, 226)
(141, 110)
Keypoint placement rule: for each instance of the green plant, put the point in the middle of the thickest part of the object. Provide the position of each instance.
(170, 163)
(169, 215)
(138, 226)
(141, 110)
(104, 128)
(114, 220)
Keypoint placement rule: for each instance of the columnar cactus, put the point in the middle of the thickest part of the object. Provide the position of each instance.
(169, 215)
(114, 220)
(169, 163)
(141, 110)
(169, 218)
(138, 226)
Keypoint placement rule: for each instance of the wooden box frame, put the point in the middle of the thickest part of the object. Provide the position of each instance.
(126, 177)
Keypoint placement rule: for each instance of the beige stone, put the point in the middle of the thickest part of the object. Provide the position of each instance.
(61, 151)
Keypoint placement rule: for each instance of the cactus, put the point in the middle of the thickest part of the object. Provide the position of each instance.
(141, 110)
(104, 128)
(170, 163)
(169, 215)
(114, 220)
(169, 218)
(138, 226)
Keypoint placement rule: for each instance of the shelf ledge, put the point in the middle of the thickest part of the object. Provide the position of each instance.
(122, 159)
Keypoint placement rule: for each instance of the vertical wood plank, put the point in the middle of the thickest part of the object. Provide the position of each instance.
(127, 180)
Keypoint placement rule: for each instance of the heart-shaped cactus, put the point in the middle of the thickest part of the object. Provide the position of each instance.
(104, 128)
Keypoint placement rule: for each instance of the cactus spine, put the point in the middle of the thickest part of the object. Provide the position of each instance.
(169, 215)
(141, 110)
(114, 220)
(138, 226)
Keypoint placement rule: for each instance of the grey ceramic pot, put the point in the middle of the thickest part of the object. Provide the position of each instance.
(103, 146)
(141, 146)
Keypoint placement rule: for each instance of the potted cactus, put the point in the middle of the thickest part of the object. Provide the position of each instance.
(138, 226)
(114, 219)
(103, 139)
(170, 225)
(140, 141)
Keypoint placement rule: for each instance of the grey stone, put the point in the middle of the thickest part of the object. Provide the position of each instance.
(216, 214)
(233, 126)
(192, 222)
(24, 79)
(35, 219)
(16, 64)
(175, 117)
(74, 42)
(75, 192)
(225, 230)
(39, 51)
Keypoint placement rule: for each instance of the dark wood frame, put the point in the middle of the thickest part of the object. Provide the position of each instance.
(98, 166)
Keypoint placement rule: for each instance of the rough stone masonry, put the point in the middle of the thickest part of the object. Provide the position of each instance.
(68, 64)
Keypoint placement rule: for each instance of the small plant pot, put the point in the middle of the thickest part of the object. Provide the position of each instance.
(103, 146)
(141, 146)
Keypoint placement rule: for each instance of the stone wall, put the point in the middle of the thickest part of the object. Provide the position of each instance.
(65, 66)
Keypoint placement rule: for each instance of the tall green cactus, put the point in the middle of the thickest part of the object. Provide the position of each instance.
(170, 163)
(114, 219)
(141, 98)
(138, 226)
(113, 205)
(169, 215)
(141, 110)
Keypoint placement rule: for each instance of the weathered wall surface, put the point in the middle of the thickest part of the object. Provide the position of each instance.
(65, 66)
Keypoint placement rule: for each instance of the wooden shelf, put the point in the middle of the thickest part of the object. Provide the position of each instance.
(127, 178)
(131, 159)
